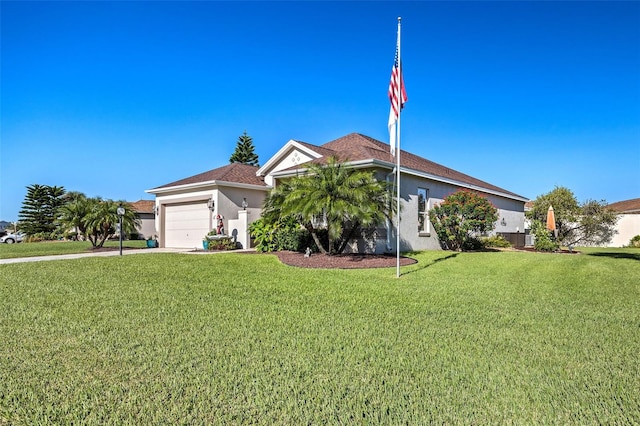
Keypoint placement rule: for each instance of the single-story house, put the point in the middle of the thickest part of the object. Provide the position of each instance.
(145, 212)
(186, 213)
(628, 225)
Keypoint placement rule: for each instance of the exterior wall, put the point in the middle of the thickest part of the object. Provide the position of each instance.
(628, 226)
(179, 197)
(147, 226)
(228, 204)
(512, 211)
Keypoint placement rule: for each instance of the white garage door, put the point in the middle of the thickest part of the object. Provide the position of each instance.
(185, 224)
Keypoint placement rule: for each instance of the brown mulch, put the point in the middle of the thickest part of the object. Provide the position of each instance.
(341, 261)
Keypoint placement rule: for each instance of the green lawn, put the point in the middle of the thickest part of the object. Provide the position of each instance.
(459, 338)
(47, 248)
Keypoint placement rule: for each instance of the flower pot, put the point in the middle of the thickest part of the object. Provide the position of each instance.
(205, 244)
(152, 243)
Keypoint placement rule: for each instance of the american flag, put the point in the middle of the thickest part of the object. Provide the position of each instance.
(397, 98)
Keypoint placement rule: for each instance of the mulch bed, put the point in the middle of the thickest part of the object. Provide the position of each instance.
(341, 261)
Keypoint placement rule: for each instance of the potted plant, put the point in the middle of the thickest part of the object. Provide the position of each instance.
(152, 242)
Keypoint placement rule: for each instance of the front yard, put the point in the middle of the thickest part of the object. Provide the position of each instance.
(473, 338)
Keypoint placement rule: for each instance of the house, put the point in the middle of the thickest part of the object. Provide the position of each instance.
(628, 225)
(185, 216)
(189, 208)
(145, 212)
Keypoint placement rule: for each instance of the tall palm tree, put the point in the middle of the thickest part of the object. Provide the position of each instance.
(333, 197)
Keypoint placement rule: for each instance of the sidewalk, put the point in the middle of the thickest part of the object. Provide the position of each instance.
(96, 254)
(115, 253)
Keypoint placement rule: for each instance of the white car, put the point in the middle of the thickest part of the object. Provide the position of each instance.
(12, 238)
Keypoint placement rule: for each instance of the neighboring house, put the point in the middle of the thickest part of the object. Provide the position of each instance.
(184, 217)
(145, 212)
(628, 225)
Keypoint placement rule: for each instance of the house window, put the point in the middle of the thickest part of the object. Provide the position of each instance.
(424, 226)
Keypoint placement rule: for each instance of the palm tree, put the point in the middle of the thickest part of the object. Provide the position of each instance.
(334, 197)
(96, 219)
(72, 213)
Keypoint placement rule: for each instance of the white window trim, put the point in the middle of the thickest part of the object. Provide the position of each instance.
(426, 232)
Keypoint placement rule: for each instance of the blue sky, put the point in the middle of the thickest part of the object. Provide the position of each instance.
(113, 98)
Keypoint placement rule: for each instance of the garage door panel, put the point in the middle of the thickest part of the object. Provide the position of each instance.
(186, 224)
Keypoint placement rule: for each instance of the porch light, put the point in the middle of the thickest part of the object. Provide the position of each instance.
(211, 204)
(503, 222)
(244, 204)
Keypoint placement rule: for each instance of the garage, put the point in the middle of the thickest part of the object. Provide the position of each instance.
(185, 224)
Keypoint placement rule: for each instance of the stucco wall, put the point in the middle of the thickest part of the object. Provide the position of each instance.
(628, 226)
(512, 211)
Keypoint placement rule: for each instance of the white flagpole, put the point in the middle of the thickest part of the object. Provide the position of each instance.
(399, 97)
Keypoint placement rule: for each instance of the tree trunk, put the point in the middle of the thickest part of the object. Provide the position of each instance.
(312, 231)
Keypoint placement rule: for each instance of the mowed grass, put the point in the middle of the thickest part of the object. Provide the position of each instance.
(49, 248)
(459, 338)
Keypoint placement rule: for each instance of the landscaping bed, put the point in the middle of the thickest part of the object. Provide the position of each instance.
(342, 261)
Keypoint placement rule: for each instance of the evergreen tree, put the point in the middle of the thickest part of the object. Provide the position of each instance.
(40, 209)
(244, 152)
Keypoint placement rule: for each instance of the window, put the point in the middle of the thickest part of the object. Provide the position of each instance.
(424, 227)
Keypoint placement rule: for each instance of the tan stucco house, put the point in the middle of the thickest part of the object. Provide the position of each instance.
(185, 213)
(145, 213)
(628, 225)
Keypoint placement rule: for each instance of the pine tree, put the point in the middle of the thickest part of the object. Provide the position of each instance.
(40, 209)
(244, 152)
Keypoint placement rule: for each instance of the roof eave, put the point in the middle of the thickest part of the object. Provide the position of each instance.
(207, 184)
(390, 165)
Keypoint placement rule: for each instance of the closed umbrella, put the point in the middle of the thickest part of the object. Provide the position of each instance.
(551, 221)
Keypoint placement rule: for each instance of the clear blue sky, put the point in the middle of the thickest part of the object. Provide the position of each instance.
(113, 98)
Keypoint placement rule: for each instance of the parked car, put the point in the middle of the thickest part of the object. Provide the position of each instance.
(12, 238)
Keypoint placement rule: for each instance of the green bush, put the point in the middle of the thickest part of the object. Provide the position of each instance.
(460, 218)
(285, 234)
(226, 243)
(635, 242)
(544, 240)
(495, 241)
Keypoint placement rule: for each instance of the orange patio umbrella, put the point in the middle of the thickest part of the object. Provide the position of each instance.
(551, 221)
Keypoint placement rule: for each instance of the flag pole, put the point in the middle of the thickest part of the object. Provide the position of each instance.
(399, 97)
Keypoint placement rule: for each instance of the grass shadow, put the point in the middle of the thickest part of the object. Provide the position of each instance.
(617, 255)
(433, 262)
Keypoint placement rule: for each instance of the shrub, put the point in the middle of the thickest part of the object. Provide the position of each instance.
(543, 241)
(285, 234)
(460, 218)
(635, 242)
(495, 241)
